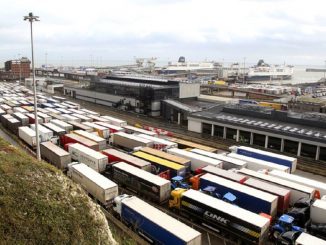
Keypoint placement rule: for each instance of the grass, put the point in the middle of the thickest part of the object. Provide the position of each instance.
(39, 205)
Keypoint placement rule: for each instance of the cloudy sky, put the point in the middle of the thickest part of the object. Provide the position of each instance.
(97, 32)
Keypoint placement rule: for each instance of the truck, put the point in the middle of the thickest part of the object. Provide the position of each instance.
(318, 185)
(142, 182)
(160, 165)
(67, 127)
(100, 187)
(298, 191)
(99, 140)
(318, 212)
(152, 224)
(91, 158)
(119, 156)
(45, 133)
(21, 117)
(55, 155)
(228, 162)
(290, 162)
(74, 138)
(158, 153)
(282, 193)
(197, 161)
(115, 121)
(247, 197)
(258, 164)
(112, 128)
(129, 141)
(159, 143)
(221, 217)
(28, 135)
(102, 131)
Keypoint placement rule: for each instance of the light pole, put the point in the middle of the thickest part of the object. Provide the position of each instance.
(324, 70)
(244, 68)
(31, 18)
(20, 68)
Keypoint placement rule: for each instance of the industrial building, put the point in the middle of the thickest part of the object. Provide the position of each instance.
(301, 134)
(18, 69)
(141, 94)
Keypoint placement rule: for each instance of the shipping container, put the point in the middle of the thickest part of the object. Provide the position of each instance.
(142, 182)
(119, 156)
(197, 161)
(74, 138)
(318, 212)
(221, 217)
(90, 157)
(159, 143)
(129, 141)
(154, 225)
(317, 185)
(228, 162)
(100, 187)
(179, 160)
(111, 127)
(99, 140)
(246, 197)
(184, 144)
(80, 126)
(66, 126)
(55, 155)
(102, 131)
(134, 130)
(28, 135)
(44, 133)
(297, 190)
(290, 162)
(115, 121)
(160, 165)
(258, 164)
(283, 194)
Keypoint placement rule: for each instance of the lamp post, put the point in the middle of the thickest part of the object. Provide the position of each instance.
(31, 18)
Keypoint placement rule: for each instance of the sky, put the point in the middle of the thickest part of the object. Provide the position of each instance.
(105, 32)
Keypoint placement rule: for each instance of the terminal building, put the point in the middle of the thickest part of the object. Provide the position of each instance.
(301, 134)
(141, 94)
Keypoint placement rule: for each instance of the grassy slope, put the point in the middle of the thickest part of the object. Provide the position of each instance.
(39, 205)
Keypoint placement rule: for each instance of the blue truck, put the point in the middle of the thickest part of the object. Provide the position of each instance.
(247, 197)
(152, 224)
(290, 162)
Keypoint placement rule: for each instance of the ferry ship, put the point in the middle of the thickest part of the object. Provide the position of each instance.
(264, 72)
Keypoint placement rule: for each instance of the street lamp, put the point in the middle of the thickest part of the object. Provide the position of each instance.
(31, 18)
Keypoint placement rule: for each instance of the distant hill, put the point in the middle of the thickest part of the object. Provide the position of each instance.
(40, 205)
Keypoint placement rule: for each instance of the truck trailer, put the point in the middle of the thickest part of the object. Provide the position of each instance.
(258, 164)
(112, 128)
(91, 158)
(307, 239)
(142, 182)
(67, 127)
(100, 187)
(74, 138)
(228, 162)
(152, 224)
(102, 131)
(129, 141)
(119, 156)
(197, 161)
(318, 211)
(115, 121)
(290, 162)
(220, 216)
(45, 133)
(298, 191)
(22, 118)
(99, 140)
(246, 197)
(158, 142)
(80, 126)
(28, 135)
(55, 155)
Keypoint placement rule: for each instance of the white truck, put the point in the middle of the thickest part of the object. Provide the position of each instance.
(90, 157)
(45, 133)
(28, 135)
(100, 187)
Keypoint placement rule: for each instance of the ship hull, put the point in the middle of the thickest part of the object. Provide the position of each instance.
(268, 77)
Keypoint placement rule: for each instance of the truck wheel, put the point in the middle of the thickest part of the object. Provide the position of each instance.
(276, 235)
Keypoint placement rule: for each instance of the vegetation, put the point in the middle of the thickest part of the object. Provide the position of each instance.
(39, 205)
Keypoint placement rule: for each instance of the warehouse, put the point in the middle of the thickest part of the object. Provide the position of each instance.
(297, 134)
(141, 94)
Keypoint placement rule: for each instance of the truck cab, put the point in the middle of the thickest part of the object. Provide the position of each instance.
(117, 203)
(175, 198)
(178, 182)
(285, 223)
